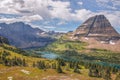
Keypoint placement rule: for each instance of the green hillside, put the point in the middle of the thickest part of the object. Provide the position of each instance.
(17, 64)
(62, 45)
(14, 64)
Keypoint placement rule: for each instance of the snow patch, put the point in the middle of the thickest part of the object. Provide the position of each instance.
(86, 38)
(111, 42)
(103, 42)
(75, 38)
(38, 33)
(43, 33)
(94, 34)
(71, 37)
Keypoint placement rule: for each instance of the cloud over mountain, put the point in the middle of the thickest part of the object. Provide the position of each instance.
(43, 10)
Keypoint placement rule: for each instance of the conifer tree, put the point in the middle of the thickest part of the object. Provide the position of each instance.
(24, 63)
(76, 70)
(59, 69)
(34, 65)
(54, 66)
(118, 76)
(107, 75)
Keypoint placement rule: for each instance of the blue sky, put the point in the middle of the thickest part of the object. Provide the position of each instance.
(58, 15)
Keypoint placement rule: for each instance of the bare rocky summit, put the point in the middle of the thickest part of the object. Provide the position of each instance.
(96, 26)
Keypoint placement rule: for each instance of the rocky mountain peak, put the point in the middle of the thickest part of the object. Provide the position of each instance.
(97, 25)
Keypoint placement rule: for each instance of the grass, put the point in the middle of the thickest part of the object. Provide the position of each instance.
(97, 55)
(62, 45)
(37, 74)
(29, 59)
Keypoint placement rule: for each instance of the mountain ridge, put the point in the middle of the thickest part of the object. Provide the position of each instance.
(23, 35)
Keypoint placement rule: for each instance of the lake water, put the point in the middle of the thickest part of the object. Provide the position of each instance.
(48, 55)
(51, 55)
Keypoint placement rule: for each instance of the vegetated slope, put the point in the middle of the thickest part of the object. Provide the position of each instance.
(16, 64)
(30, 68)
(62, 45)
(93, 43)
(23, 35)
(74, 48)
(84, 53)
(3, 40)
(76, 51)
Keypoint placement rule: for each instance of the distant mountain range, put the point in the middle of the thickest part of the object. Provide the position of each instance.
(23, 35)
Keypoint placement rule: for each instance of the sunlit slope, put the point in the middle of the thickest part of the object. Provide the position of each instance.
(33, 73)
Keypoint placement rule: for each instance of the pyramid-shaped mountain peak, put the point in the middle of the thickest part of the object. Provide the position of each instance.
(97, 25)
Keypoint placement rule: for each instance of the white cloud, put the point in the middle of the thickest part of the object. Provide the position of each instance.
(46, 28)
(32, 10)
(23, 19)
(80, 3)
(110, 4)
(61, 10)
(31, 18)
(116, 2)
(113, 17)
(82, 14)
(49, 27)
(10, 6)
(44, 8)
(61, 23)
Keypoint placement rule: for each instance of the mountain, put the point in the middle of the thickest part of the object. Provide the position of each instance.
(53, 34)
(23, 35)
(96, 26)
(98, 33)
(3, 40)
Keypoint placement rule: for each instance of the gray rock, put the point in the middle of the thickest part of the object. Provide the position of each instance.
(97, 26)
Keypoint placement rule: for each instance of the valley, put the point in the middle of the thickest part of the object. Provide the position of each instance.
(59, 39)
(49, 73)
(27, 70)
(87, 53)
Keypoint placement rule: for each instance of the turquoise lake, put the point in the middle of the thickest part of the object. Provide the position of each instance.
(48, 55)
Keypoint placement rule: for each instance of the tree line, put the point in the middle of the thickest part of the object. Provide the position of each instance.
(15, 61)
(95, 70)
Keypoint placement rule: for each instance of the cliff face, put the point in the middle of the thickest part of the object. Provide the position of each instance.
(97, 26)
